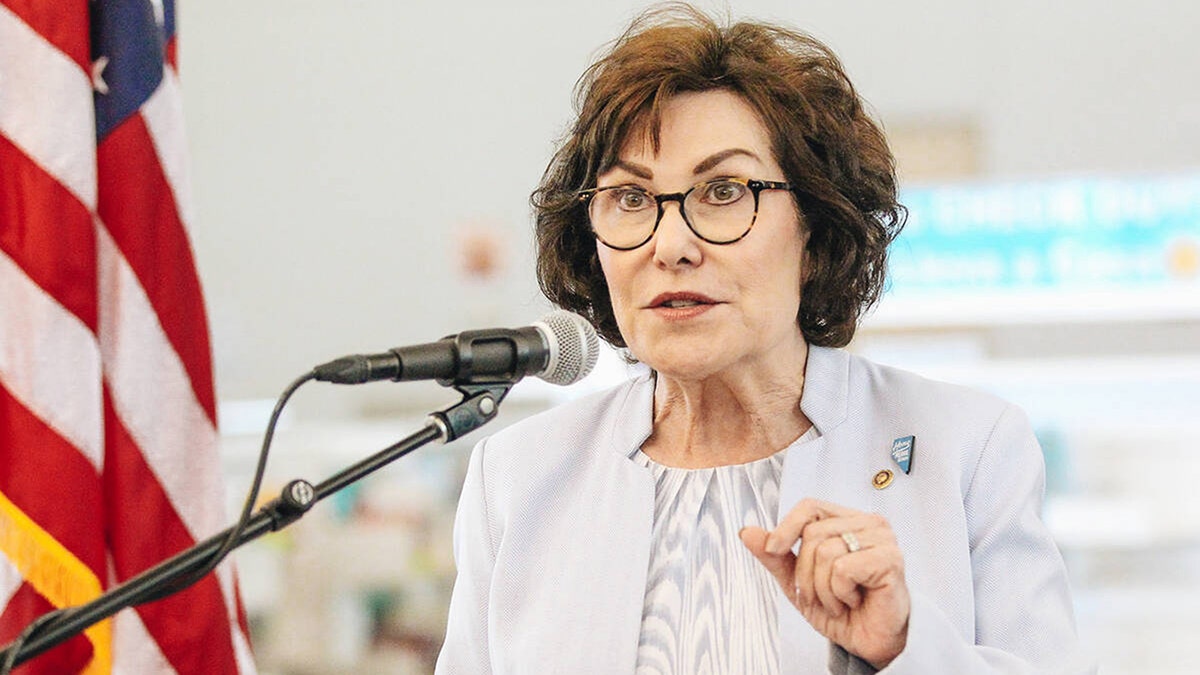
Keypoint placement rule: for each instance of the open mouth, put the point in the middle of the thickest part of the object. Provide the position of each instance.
(680, 301)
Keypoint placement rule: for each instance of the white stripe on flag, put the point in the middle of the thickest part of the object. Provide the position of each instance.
(134, 651)
(163, 114)
(50, 362)
(241, 645)
(46, 107)
(225, 580)
(10, 580)
(145, 377)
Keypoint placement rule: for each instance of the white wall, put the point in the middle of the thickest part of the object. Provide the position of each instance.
(338, 147)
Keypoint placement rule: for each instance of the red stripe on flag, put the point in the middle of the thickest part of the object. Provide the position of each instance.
(138, 208)
(192, 626)
(63, 23)
(68, 657)
(48, 232)
(30, 453)
(172, 57)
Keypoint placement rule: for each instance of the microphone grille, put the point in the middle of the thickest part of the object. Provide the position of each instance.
(574, 347)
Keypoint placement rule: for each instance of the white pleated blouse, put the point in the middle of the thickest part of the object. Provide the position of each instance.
(710, 607)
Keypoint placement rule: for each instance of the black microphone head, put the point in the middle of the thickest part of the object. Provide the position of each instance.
(573, 345)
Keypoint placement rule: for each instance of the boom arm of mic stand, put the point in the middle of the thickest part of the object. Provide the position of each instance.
(479, 405)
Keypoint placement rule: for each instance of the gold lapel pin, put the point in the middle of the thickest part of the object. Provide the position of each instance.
(882, 479)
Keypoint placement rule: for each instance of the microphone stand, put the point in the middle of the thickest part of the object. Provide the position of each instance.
(478, 406)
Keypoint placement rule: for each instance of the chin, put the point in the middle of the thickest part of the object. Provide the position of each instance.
(683, 364)
(681, 354)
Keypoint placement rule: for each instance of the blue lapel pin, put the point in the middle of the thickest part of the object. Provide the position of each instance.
(902, 452)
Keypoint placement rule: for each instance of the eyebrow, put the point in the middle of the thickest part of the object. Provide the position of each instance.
(715, 159)
(635, 169)
(704, 165)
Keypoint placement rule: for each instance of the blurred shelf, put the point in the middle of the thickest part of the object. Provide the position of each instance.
(1077, 371)
(976, 308)
(1122, 523)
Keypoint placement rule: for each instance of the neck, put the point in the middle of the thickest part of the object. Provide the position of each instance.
(730, 417)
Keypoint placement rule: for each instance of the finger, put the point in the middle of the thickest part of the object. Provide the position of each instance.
(780, 566)
(843, 582)
(859, 574)
(875, 568)
(865, 526)
(804, 513)
(827, 553)
(813, 538)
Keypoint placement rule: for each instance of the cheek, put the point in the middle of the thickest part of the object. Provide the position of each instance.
(614, 278)
(782, 276)
(798, 267)
(606, 266)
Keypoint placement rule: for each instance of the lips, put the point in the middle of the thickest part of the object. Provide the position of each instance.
(680, 300)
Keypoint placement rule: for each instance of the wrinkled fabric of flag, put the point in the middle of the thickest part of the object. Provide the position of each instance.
(108, 439)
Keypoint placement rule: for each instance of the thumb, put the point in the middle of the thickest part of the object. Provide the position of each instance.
(781, 566)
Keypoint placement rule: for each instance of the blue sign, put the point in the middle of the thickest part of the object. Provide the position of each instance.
(1074, 234)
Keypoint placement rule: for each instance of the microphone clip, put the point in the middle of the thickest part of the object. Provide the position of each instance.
(480, 404)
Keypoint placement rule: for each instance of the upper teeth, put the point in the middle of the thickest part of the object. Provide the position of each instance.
(680, 303)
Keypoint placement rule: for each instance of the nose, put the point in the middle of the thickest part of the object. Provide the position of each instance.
(675, 245)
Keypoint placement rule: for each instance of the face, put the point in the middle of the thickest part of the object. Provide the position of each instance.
(688, 308)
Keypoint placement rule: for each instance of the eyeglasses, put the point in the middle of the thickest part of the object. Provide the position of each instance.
(719, 211)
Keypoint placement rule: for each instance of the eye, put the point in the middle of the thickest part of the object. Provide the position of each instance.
(631, 199)
(722, 192)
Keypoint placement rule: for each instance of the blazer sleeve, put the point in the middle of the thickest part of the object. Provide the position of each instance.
(466, 649)
(1024, 620)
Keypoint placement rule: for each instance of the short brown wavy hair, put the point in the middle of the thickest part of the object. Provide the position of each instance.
(829, 148)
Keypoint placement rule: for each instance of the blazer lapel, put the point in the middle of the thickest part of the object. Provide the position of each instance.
(806, 473)
(601, 582)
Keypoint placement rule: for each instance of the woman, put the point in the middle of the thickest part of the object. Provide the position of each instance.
(760, 501)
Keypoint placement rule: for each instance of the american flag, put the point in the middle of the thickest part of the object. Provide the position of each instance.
(108, 441)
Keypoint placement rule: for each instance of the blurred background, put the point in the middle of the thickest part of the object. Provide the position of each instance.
(361, 173)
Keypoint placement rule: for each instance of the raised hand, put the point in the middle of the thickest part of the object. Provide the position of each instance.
(847, 578)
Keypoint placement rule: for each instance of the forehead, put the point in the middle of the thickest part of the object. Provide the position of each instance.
(694, 125)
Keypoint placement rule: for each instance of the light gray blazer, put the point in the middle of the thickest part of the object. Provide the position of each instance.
(552, 537)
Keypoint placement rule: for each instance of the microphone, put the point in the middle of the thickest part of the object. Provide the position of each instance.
(561, 348)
